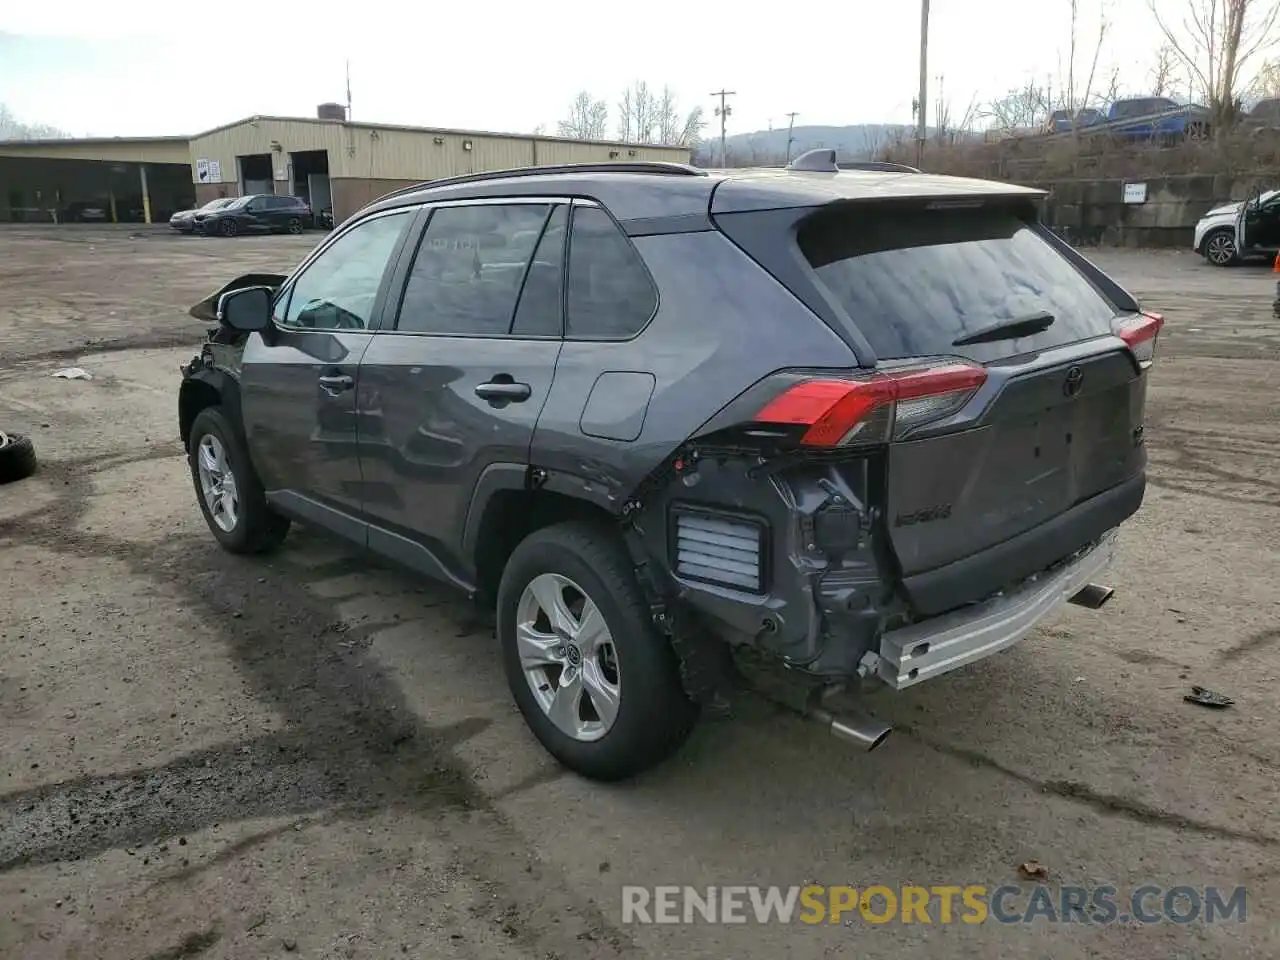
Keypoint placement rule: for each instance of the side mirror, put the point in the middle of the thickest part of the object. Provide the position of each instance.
(247, 309)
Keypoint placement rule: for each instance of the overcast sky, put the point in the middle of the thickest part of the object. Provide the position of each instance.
(139, 67)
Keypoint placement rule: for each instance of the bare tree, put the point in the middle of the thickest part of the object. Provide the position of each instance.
(642, 118)
(1266, 82)
(1075, 98)
(638, 114)
(11, 128)
(587, 120)
(626, 117)
(1163, 80)
(964, 126)
(1019, 109)
(1030, 106)
(673, 127)
(1214, 40)
(1108, 93)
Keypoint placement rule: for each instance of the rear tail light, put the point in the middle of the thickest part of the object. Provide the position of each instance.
(874, 409)
(1140, 333)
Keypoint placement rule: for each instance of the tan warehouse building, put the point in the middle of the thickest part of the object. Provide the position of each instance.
(329, 162)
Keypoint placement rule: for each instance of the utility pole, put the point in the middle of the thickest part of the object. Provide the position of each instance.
(348, 91)
(723, 112)
(791, 123)
(921, 125)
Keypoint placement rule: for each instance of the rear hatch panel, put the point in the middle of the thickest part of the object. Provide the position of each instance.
(1048, 449)
(1034, 451)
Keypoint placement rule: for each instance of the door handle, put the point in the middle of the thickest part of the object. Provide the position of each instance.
(499, 390)
(333, 385)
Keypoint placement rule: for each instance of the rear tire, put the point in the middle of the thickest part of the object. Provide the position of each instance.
(643, 715)
(236, 512)
(295, 226)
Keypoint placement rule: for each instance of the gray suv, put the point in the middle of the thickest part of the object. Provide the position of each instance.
(861, 425)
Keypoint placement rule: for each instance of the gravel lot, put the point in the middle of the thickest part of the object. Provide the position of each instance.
(309, 755)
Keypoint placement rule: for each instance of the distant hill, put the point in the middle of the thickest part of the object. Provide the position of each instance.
(854, 142)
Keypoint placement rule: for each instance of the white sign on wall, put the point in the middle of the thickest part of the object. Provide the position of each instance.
(208, 171)
(1135, 193)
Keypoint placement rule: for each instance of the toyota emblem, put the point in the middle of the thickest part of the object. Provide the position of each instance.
(1071, 386)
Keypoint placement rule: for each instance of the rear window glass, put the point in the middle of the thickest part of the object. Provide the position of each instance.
(914, 280)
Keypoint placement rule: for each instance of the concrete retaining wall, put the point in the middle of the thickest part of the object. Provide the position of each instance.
(1094, 211)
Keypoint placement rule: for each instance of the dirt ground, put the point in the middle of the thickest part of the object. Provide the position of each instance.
(311, 755)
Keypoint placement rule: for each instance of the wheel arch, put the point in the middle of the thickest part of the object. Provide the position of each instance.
(1221, 228)
(203, 389)
(506, 507)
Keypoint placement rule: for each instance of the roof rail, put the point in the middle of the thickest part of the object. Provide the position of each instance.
(659, 167)
(884, 166)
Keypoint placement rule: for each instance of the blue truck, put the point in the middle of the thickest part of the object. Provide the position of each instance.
(1157, 118)
(1137, 118)
(1060, 120)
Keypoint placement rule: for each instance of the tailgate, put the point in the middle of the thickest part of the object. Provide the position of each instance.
(1057, 423)
(1047, 440)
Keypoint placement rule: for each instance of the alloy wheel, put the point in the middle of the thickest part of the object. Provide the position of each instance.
(568, 656)
(1220, 249)
(218, 483)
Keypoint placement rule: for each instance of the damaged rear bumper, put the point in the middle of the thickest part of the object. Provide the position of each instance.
(915, 653)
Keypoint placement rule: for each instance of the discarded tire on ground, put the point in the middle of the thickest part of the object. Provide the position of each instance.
(17, 457)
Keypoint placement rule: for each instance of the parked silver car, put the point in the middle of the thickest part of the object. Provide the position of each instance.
(184, 221)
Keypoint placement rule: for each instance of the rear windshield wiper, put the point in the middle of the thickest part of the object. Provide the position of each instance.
(1008, 329)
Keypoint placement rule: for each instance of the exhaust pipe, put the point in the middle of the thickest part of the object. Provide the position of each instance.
(864, 733)
(1092, 596)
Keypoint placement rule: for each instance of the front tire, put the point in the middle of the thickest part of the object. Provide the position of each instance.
(228, 228)
(1220, 248)
(597, 684)
(228, 490)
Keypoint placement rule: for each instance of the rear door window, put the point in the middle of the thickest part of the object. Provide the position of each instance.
(468, 270)
(915, 280)
(541, 309)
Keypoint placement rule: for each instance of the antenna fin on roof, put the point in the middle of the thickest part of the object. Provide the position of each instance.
(821, 160)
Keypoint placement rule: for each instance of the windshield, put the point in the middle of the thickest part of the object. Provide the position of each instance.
(217, 204)
(237, 202)
(915, 280)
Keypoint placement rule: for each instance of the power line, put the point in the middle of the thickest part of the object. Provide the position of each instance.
(723, 112)
(791, 122)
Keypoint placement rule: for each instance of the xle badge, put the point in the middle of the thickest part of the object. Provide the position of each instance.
(938, 511)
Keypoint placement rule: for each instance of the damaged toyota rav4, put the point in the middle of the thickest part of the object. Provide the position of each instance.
(860, 425)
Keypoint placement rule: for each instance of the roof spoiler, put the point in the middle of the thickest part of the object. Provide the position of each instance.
(823, 160)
